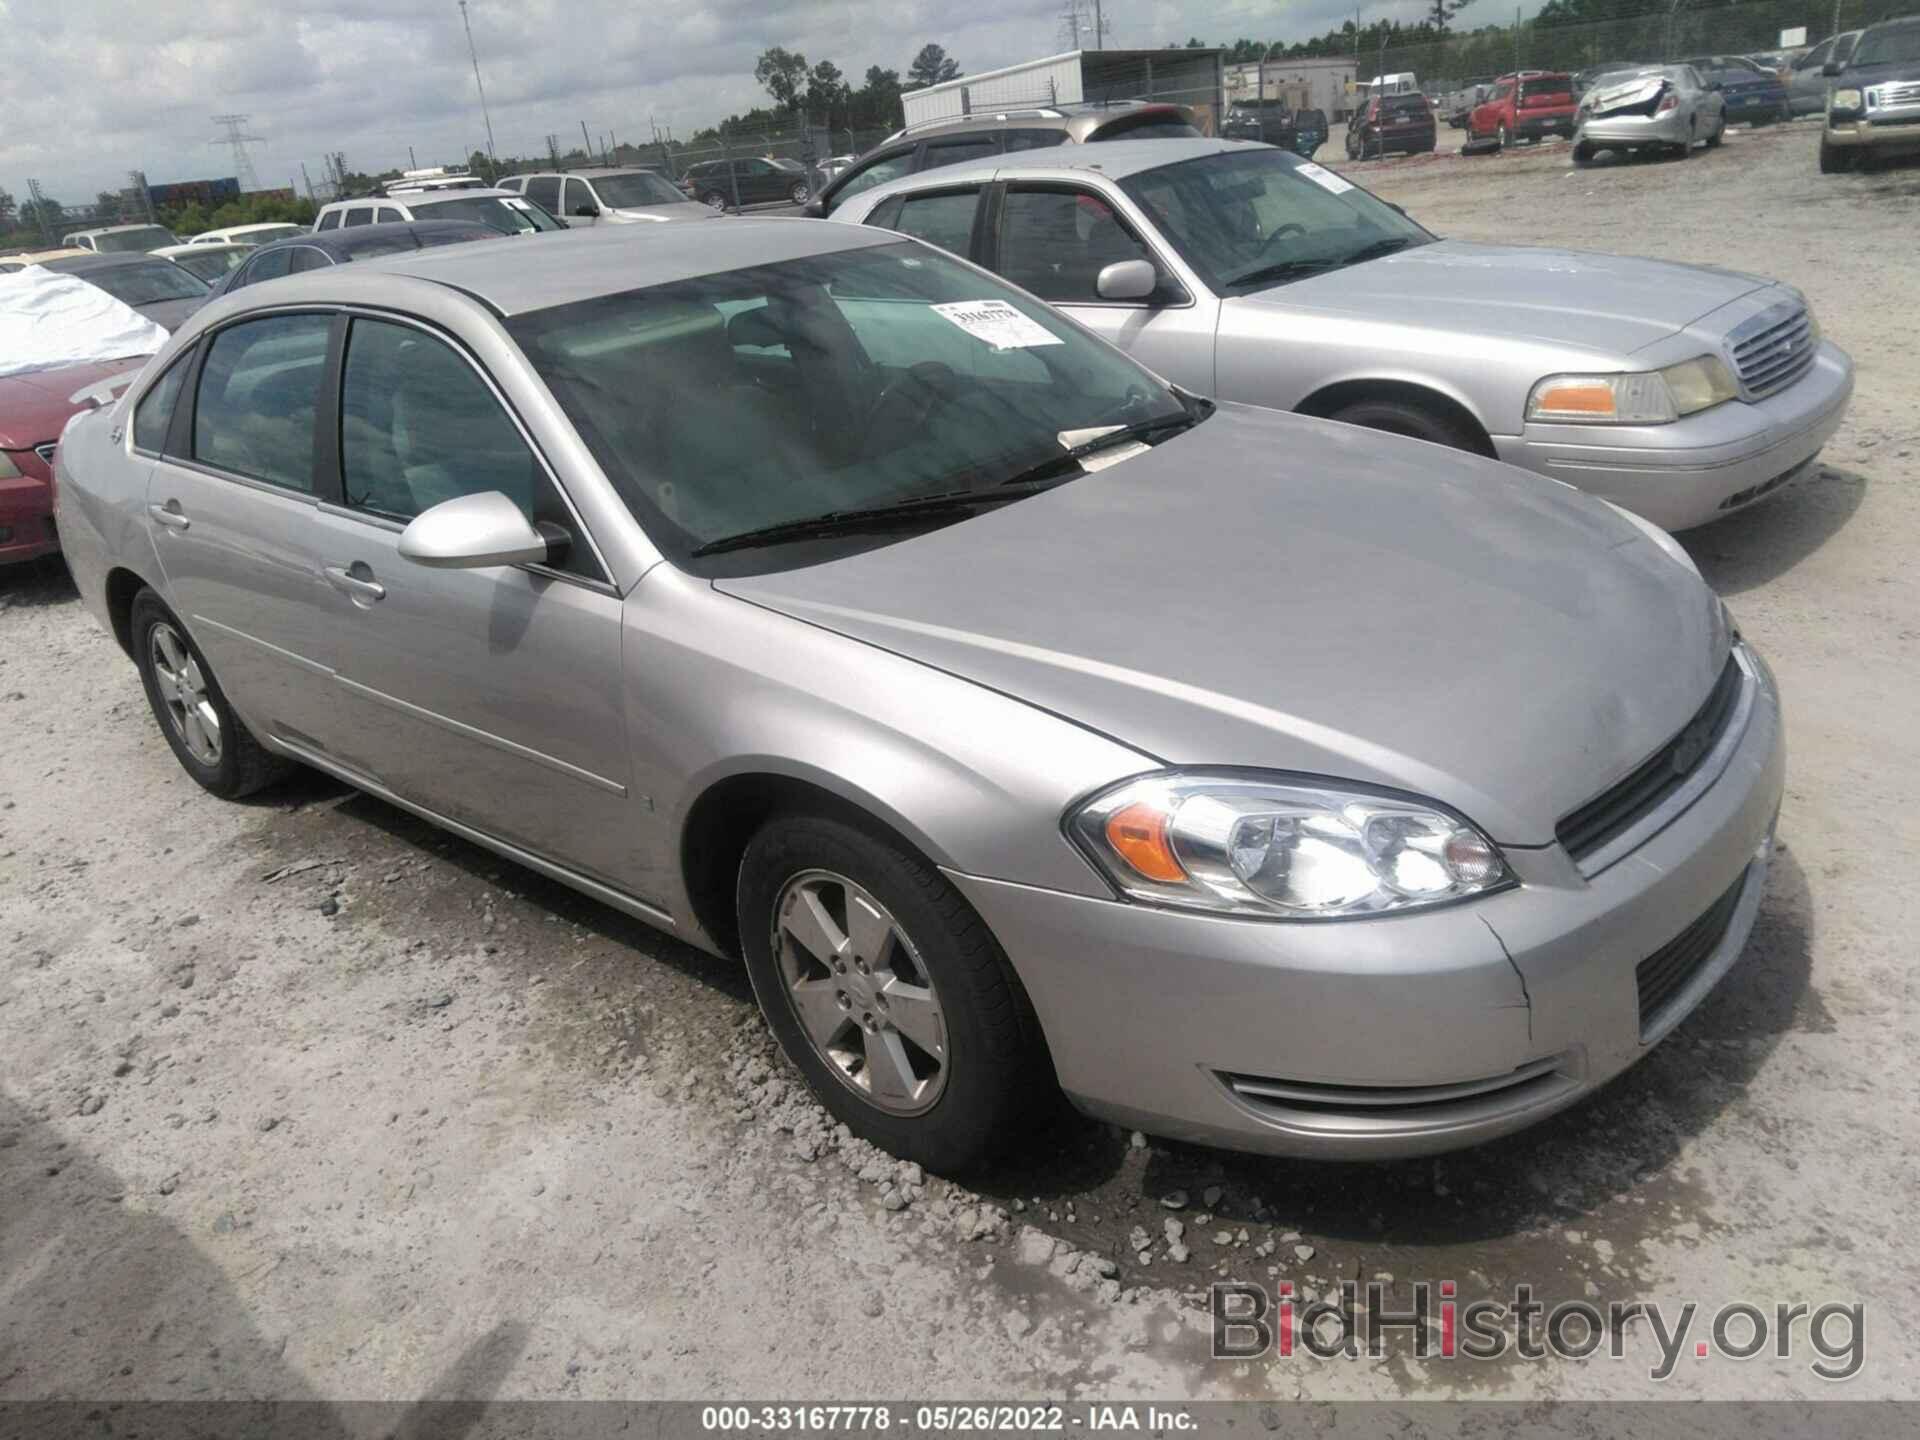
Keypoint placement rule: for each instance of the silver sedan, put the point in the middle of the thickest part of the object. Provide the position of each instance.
(1668, 108)
(827, 603)
(1245, 273)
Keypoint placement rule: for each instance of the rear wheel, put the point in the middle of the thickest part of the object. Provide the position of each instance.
(887, 992)
(799, 193)
(207, 738)
(1409, 418)
(1719, 134)
(714, 200)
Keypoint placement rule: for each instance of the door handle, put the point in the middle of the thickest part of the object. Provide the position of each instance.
(169, 515)
(361, 586)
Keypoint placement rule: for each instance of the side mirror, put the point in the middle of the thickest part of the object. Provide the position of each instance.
(1831, 68)
(471, 532)
(1127, 280)
(587, 211)
(1716, 85)
(815, 209)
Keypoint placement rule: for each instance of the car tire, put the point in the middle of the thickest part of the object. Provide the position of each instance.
(955, 1086)
(800, 194)
(1834, 160)
(1719, 134)
(207, 738)
(714, 200)
(1583, 153)
(1405, 417)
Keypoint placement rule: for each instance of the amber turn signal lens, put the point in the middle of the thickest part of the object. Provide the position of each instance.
(1577, 400)
(1138, 835)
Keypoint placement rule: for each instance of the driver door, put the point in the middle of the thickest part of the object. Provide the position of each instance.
(1054, 239)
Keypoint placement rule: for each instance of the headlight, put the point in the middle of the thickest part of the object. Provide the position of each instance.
(1283, 849)
(1650, 397)
(1699, 384)
(1846, 101)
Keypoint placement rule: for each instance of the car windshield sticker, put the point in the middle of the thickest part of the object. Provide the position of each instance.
(1324, 178)
(514, 204)
(998, 324)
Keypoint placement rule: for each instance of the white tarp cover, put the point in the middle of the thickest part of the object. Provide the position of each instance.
(48, 318)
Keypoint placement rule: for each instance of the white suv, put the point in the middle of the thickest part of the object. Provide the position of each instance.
(505, 211)
(617, 196)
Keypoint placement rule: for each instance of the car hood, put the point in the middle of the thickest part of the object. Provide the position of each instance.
(680, 210)
(1607, 304)
(1291, 594)
(172, 314)
(35, 406)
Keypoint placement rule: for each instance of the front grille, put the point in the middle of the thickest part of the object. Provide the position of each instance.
(1892, 96)
(45, 452)
(1313, 1099)
(1613, 811)
(1663, 974)
(1773, 349)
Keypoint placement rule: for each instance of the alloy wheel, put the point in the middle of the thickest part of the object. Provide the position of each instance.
(860, 992)
(183, 689)
(799, 194)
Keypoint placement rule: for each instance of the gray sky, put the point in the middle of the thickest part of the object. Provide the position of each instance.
(118, 86)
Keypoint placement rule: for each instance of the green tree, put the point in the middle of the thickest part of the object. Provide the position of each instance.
(827, 90)
(1440, 13)
(781, 73)
(932, 66)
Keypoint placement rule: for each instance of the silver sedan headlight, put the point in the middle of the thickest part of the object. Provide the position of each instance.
(1646, 397)
(1282, 847)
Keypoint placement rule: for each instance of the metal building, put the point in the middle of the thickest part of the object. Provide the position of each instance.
(1194, 78)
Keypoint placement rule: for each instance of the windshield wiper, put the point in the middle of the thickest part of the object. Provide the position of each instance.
(1392, 245)
(1069, 460)
(1299, 269)
(866, 517)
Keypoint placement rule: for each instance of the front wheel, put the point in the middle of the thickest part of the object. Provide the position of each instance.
(207, 738)
(1719, 134)
(1402, 417)
(800, 194)
(1583, 153)
(714, 200)
(887, 992)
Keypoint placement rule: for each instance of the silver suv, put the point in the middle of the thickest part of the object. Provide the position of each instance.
(619, 196)
(505, 211)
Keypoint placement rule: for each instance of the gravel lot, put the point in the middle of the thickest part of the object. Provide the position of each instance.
(301, 1098)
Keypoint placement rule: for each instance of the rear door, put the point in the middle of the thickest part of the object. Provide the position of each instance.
(231, 502)
(490, 696)
(1054, 239)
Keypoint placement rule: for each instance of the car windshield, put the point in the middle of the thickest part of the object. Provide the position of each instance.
(886, 375)
(508, 214)
(635, 190)
(1254, 218)
(210, 262)
(139, 239)
(145, 283)
(1897, 45)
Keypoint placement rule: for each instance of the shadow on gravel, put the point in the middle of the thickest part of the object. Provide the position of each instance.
(41, 581)
(1751, 548)
(111, 1303)
(1608, 1167)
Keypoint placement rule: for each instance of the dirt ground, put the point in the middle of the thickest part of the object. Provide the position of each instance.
(301, 1098)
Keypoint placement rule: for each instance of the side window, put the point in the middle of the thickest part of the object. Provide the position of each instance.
(359, 215)
(419, 426)
(1056, 242)
(544, 191)
(259, 394)
(943, 220)
(578, 201)
(878, 173)
(155, 412)
(305, 257)
(329, 221)
(267, 265)
(754, 167)
(955, 152)
(387, 214)
(1018, 140)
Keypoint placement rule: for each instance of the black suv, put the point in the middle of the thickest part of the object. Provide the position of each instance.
(1268, 120)
(1873, 97)
(754, 181)
(934, 143)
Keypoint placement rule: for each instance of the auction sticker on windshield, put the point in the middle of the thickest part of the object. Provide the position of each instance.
(1324, 178)
(997, 323)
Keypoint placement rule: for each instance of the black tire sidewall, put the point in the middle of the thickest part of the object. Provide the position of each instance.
(990, 1071)
(223, 779)
(1400, 417)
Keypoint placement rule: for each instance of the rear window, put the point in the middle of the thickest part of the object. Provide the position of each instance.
(1147, 127)
(1404, 105)
(1551, 87)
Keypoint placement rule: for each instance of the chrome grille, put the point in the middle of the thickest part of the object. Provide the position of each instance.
(1773, 349)
(45, 452)
(1893, 96)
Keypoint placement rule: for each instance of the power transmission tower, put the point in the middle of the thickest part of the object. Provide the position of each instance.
(478, 84)
(237, 137)
(40, 211)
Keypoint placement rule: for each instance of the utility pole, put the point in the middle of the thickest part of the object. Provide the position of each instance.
(478, 84)
(412, 164)
(1100, 27)
(309, 181)
(40, 211)
(586, 143)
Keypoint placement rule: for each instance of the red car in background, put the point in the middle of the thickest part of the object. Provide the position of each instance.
(1526, 105)
(34, 408)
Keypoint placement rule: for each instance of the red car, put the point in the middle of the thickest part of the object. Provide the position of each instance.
(34, 408)
(1525, 106)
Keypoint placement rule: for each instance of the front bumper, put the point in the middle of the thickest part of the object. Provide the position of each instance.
(1883, 131)
(26, 519)
(1603, 131)
(1705, 466)
(1397, 1036)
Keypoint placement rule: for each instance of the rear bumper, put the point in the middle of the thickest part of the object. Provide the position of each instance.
(1705, 466)
(1534, 127)
(1629, 130)
(26, 519)
(1398, 1036)
(1760, 105)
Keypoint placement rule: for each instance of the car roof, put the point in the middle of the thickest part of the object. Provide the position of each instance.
(80, 264)
(586, 263)
(205, 247)
(119, 229)
(344, 242)
(1115, 159)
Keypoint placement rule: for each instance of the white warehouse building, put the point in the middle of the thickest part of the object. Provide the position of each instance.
(1195, 78)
